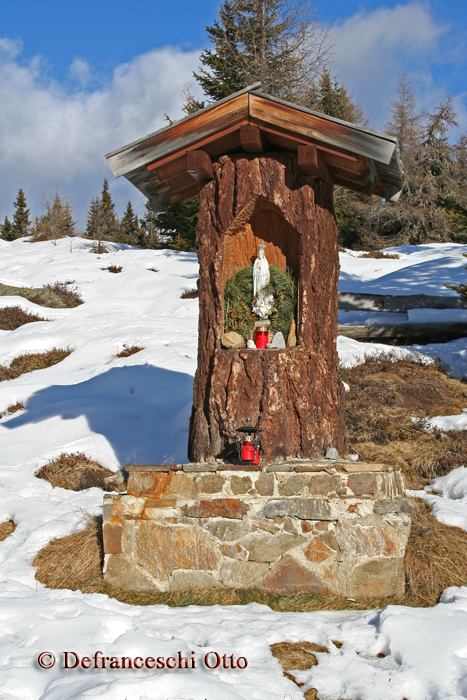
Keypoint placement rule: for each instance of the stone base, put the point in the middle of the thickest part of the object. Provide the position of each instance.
(298, 527)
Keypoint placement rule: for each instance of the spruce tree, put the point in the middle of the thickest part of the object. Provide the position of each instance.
(57, 220)
(277, 42)
(7, 233)
(21, 222)
(93, 219)
(148, 223)
(109, 217)
(129, 227)
(178, 224)
(102, 222)
(330, 97)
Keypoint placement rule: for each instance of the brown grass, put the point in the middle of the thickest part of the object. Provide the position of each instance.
(12, 408)
(7, 528)
(436, 556)
(384, 396)
(74, 471)
(59, 295)
(98, 247)
(152, 269)
(190, 294)
(297, 656)
(13, 317)
(74, 561)
(129, 350)
(113, 268)
(379, 255)
(32, 361)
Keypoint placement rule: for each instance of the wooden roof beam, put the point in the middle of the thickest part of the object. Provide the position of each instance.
(252, 139)
(199, 165)
(310, 162)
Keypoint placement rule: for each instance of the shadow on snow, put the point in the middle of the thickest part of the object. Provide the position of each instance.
(143, 411)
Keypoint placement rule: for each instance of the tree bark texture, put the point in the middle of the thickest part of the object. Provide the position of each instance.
(293, 395)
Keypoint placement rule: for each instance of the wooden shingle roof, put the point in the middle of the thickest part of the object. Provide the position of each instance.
(167, 165)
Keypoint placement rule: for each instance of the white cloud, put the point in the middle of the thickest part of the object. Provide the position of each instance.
(80, 71)
(45, 128)
(11, 47)
(372, 49)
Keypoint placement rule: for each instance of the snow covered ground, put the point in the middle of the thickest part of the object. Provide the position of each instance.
(137, 409)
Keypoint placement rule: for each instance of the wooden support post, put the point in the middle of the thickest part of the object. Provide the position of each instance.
(199, 165)
(251, 139)
(311, 163)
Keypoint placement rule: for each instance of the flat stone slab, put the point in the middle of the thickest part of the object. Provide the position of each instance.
(297, 465)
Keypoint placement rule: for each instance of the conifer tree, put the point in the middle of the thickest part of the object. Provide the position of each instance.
(178, 224)
(151, 231)
(93, 219)
(102, 221)
(21, 222)
(109, 217)
(129, 228)
(57, 220)
(277, 42)
(7, 233)
(406, 124)
(330, 97)
(431, 190)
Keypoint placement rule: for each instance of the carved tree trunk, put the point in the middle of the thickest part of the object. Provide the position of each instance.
(294, 394)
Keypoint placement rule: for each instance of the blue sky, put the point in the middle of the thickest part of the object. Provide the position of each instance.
(80, 79)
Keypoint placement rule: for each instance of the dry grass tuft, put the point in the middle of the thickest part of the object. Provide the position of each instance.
(74, 472)
(297, 656)
(98, 247)
(311, 694)
(59, 295)
(379, 255)
(129, 350)
(32, 361)
(190, 294)
(113, 268)
(152, 269)
(6, 529)
(73, 562)
(13, 317)
(12, 408)
(436, 556)
(383, 397)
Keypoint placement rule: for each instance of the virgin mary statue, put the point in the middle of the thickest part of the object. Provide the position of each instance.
(262, 303)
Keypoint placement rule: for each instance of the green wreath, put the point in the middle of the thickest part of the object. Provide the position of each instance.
(238, 300)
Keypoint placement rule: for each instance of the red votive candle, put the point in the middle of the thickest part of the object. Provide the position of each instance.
(261, 338)
(248, 451)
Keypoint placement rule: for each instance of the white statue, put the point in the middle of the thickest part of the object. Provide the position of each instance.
(262, 303)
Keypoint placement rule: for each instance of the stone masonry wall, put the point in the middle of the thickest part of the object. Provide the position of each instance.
(299, 527)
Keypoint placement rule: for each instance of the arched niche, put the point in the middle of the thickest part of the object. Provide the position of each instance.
(260, 221)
